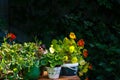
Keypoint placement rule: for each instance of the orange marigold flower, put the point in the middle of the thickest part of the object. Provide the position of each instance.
(81, 42)
(72, 35)
(90, 67)
(85, 53)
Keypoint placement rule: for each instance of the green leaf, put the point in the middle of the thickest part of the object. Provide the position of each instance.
(109, 69)
(43, 62)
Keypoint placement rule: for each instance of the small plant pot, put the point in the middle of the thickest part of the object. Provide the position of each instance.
(33, 74)
(53, 73)
(69, 69)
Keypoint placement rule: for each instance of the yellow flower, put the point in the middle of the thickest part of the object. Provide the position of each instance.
(52, 50)
(80, 74)
(65, 58)
(72, 35)
(74, 59)
(71, 49)
(85, 70)
(82, 62)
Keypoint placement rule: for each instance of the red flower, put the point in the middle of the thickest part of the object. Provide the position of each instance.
(85, 53)
(81, 42)
(11, 36)
(90, 67)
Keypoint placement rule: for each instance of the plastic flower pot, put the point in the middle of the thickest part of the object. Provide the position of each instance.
(53, 73)
(69, 69)
(33, 74)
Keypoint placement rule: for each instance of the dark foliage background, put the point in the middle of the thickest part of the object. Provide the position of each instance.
(96, 21)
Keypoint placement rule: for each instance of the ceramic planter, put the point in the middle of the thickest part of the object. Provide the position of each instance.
(53, 73)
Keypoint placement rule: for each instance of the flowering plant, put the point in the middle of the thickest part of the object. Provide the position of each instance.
(52, 58)
(15, 57)
(72, 51)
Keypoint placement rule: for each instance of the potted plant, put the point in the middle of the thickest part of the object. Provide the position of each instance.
(74, 55)
(52, 60)
(16, 57)
(31, 70)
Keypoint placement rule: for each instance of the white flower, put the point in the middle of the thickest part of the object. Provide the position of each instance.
(52, 50)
